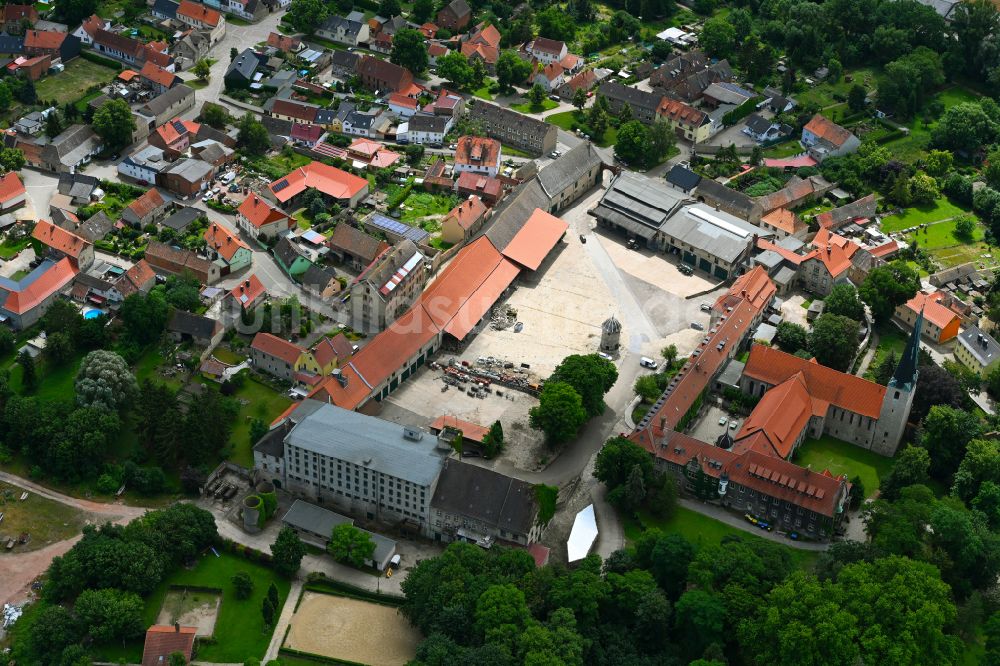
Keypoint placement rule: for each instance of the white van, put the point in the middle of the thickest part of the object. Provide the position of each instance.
(647, 362)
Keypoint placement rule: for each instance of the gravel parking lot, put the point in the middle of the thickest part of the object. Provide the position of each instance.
(708, 428)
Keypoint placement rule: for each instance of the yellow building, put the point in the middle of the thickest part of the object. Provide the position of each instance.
(977, 350)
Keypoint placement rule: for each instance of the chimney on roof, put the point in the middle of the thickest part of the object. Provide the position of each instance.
(663, 423)
(247, 283)
(177, 627)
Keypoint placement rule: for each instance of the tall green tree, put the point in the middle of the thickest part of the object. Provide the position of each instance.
(252, 138)
(350, 545)
(114, 123)
(834, 341)
(110, 614)
(287, 552)
(887, 287)
(511, 69)
(409, 50)
(591, 376)
(307, 15)
(843, 300)
(559, 413)
(945, 433)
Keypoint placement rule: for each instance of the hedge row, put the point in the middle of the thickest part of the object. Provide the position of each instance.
(318, 658)
(101, 60)
(317, 582)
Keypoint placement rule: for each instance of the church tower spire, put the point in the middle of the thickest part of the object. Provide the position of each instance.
(898, 400)
(908, 367)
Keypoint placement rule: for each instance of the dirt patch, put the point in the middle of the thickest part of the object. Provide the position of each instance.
(42, 521)
(354, 630)
(191, 608)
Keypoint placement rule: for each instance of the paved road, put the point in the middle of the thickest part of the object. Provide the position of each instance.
(724, 516)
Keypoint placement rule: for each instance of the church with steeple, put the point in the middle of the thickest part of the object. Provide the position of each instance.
(899, 394)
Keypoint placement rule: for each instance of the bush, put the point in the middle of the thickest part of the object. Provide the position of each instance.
(107, 484)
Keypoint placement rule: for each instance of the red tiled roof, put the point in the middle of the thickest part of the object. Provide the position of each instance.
(293, 109)
(884, 250)
(477, 151)
(279, 348)
(223, 241)
(764, 244)
(306, 132)
(828, 130)
(18, 12)
(402, 100)
(784, 219)
(161, 58)
(156, 74)
(248, 292)
(833, 251)
(428, 30)
(59, 239)
(848, 392)
(327, 179)
(552, 71)
(49, 282)
(489, 54)
(171, 131)
(755, 286)
(327, 349)
(680, 113)
(282, 42)
(11, 187)
(43, 39)
(259, 212)
(163, 640)
(149, 201)
(468, 212)
(935, 311)
(546, 45)
(570, 61)
(128, 75)
(92, 24)
(140, 275)
(199, 12)
(470, 431)
(435, 49)
(535, 239)
(488, 35)
(477, 182)
(778, 419)
(585, 80)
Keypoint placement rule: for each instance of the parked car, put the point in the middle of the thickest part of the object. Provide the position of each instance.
(697, 326)
(606, 356)
(723, 420)
(705, 307)
(647, 362)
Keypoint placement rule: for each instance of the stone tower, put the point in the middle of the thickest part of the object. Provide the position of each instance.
(611, 333)
(899, 396)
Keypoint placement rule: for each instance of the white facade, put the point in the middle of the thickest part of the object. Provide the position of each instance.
(423, 136)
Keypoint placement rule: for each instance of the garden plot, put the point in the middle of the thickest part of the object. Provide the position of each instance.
(191, 608)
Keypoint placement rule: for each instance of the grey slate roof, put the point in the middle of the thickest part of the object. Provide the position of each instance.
(715, 191)
(632, 96)
(717, 233)
(638, 203)
(161, 103)
(167, 8)
(273, 442)
(285, 252)
(318, 276)
(981, 345)
(564, 172)
(182, 218)
(683, 178)
(191, 324)
(244, 65)
(481, 494)
(368, 442)
(425, 123)
(95, 227)
(314, 519)
(514, 211)
(334, 23)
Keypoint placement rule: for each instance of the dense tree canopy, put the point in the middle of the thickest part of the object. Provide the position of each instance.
(590, 375)
(888, 287)
(834, 341)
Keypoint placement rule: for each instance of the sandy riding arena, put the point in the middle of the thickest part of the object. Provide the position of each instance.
(353, 630)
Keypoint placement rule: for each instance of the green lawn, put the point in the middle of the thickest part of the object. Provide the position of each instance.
(911, 147)
(842, 458)
(511, 151)
(785, 149)
(421, 204)
(227, 355)
(300, 219)
(239, 627)
(262, 402)
(47, 521)
(483, 93)
(703, 531)
(826, 94)
(72, 83)
(54, 383)
(941, 209)
(528, 107)
(569, 119)
(10, 247)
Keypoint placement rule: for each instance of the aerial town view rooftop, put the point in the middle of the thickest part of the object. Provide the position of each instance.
(444, 332)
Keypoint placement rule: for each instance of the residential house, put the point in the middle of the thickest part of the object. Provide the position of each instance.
(288, 109)
(248, 294)
(485, 53)
(455, 16)
(138, 279)
(763, 129)
(550, 77)
(182, 218)
(481, 506)
(782, 222)
(683, 179)
(332, 353)
(32, 68)
(490, 190)
(436, 50)
(425, 129)
(62, 243)
(344, 63)
(23, 302)
(65, 152)
(258, 218)
(940, 323)
(226, 249)
(143, 165)
(335, 185)
(150, 208)
(162, 641)
(354, 247)
(828, 263)
(186, 177)
(282, 359)
(796, 192)
(724, 92)
(531, 135)
(93, 229)
(478, 155)
(158, 79)
(373, 124)
(12, 192)
(284, 43)
(464, 220)
(644, 105)
(585, 80)
(189, 327)
(402, 105)
(857, 212)
(248, 10)
(16, 17)
(383, 76)
(59, 45)
(200, 17)
(165, 9)
(824, 138)
(168, 260)
(977, 350)
(289, 258)
(242, 70)
(686, 121)
(169, 105)
(428, 30)
(343, 31)
(447, 103)
(387, 287)
(381, 43)
(545, 50)
(321, 281)
(212, 152)
(130, 51)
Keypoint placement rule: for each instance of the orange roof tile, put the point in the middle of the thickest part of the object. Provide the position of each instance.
(935, 311)
(755, 285)
(489, 54)
(199, 12)
(43, 39)
(828, 130)
(833, 251)
(327, 179)
(248, 292)
(788, 255)
(470, 431)
(128, 75)
(49, 282)
(778, 419)
(848, 392)
(259, 212)
(279, 348)
(488, 35)
(156, 74)
(164, 640)
(402, 100)
(223, 241)
(884, 250)
(477, 151)
(140, 275)
(535, 240)
(336, 348)
(147, 202)
(11, 187)
(59, 239)
(468, 212)
(784, 219)
(680, 113)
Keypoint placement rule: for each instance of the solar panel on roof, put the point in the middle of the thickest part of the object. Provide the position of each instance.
(179, 127)
(280, 185)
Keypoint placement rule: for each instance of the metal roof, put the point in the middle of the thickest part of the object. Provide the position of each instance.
(584, 534)
(396, 227)
(981, 345)
(312, 518)
(369, 442)
(712, 231)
